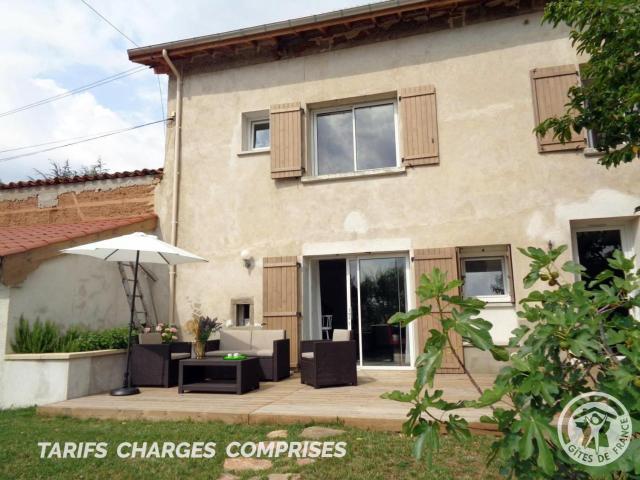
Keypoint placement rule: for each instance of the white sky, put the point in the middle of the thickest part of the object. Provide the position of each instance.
(52, 46)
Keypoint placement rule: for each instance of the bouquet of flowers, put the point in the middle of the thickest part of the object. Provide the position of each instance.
(168, 332)
(202, 327)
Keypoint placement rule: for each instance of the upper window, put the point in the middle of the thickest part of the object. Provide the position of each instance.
(486, 273)
(355, 138)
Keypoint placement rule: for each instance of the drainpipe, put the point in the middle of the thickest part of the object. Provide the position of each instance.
(177, 140)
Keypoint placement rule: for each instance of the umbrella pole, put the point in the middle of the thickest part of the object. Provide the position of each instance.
(127, 389)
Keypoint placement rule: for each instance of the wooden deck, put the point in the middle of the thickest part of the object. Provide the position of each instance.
(282, 402)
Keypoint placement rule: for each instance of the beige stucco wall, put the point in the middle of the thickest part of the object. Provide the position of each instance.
(491, 187)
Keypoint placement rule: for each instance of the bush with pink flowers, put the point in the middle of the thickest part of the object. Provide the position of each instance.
(169, 332)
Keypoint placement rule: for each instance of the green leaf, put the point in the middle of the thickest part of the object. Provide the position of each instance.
(399, 396)
(500, 353)
(426, 365)
(404, 319)
(573, 267)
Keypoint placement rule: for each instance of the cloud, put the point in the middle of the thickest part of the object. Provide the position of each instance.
(50, 47)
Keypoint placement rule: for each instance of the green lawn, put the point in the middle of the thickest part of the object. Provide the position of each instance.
(370, 455)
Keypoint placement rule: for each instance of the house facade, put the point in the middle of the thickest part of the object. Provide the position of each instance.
(325, 163)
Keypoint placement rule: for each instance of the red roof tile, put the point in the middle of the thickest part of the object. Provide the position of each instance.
(21, 239)
(80, 178)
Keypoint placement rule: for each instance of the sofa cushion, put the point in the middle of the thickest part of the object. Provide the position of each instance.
(180, 356)
(235, 340)
(307, 355)
(263, 339)
(222, 353)
(263, 352)
(340, 335)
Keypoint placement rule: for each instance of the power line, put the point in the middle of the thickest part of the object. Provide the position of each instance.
(107, 20)
(53, 142)
(75, 91)
(132, 41)
(96, 137)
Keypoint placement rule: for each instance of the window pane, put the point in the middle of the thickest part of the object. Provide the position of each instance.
(335, 142)
(261, 135)
(375, 137)
(483, 277)
(594, 248)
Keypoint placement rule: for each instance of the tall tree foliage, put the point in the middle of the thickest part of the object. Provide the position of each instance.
(608, 99)
(575, 337)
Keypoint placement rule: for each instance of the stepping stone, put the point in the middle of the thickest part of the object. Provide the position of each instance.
(278, 434)
(320, 432)
(284, 476)
(305, 461)
(247, 464)
(228, 476)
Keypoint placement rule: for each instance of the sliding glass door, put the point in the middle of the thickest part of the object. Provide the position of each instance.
(376, 290)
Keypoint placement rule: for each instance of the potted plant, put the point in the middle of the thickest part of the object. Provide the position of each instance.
(201, 327)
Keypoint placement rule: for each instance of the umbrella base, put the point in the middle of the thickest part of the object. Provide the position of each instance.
(124, 391)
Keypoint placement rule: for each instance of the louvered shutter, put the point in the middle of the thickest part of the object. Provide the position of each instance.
(424, 261)
(281, 299)
(419, 126)
(285, 124)
(550, 88)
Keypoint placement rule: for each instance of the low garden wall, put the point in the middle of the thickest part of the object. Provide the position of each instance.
(41, 378)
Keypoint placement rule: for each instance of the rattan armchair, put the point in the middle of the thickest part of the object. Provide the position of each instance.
(328, 363)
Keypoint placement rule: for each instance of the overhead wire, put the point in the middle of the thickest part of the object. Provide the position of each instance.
(95, 137)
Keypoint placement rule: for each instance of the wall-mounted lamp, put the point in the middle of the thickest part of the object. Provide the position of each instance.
(636, 210)
(247, 259)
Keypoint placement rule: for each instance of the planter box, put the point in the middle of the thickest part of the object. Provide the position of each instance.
(40, 378)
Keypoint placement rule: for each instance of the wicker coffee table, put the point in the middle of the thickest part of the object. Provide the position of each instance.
(218, 375)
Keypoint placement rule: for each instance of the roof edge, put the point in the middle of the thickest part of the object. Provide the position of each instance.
(81, 178)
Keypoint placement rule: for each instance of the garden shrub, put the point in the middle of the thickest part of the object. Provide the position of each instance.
(47, 337)
(37, 338)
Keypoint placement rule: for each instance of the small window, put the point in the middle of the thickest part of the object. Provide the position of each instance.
(486, 273)
(255, 131)
(259, 134)
(243, 314)
(355, 138)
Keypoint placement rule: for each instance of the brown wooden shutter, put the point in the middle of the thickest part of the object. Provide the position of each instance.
(285, 124)
(419, 126)
(280, 299)
(550, 95)
(424, 261)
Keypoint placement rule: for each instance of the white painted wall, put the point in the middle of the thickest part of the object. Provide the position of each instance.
(56, 377)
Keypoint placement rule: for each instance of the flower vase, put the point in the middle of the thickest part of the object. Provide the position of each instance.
(199, 348)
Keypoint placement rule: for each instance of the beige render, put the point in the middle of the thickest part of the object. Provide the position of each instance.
(491, 186)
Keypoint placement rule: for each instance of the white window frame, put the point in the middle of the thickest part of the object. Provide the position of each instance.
(352, 107)
(249, 121)
(252, 131)
(506, 297)
(500, 252)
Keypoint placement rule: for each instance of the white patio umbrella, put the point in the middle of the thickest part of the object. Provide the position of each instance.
(139, 248)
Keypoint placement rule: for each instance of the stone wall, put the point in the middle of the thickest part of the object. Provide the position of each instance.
(77, 202)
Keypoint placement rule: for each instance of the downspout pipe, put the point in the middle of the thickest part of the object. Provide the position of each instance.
(177, 153)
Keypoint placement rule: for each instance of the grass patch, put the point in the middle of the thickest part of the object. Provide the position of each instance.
(370, 455)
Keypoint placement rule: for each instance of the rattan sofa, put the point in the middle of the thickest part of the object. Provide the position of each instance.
(328, 363)
(270, 346)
